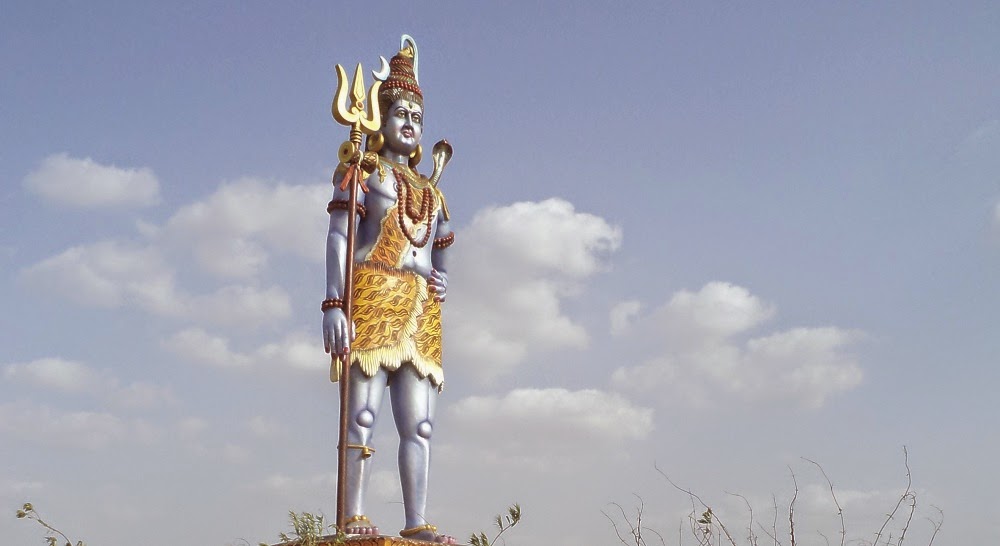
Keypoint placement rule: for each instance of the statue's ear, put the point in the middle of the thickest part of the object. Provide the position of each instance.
(375, 141)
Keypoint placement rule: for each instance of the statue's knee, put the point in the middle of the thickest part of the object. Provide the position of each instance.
(365, 419)
(424, 430)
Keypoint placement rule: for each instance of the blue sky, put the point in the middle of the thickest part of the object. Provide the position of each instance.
(714, 237)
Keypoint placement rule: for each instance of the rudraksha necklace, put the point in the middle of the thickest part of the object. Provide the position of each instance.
(405, 201)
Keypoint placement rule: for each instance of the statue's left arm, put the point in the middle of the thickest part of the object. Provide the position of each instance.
(438, 280)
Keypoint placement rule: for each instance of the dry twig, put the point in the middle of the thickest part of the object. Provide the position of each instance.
(906, 494)
(936, 523)
(751, 537)
(708, 513)
(791, 508)
(840, 511)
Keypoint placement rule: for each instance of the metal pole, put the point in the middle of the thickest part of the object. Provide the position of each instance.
(345, 359)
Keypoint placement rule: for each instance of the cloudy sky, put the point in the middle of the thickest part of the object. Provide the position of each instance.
(708, 239)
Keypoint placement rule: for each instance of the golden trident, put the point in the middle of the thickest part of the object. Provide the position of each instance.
(355, 116)
(367, 121)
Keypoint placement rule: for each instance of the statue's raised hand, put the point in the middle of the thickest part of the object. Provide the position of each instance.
(335, 331)
(437, 283)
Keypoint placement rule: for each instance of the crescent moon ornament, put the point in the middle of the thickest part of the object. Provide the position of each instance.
(383, 72)
(413, 43)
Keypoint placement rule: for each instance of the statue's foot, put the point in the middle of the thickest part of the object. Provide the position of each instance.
(360, 525)
(427, 532)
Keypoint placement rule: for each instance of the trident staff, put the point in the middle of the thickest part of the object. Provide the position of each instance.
(361, 120)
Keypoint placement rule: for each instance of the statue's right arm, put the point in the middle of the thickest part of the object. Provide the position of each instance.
(335, 328)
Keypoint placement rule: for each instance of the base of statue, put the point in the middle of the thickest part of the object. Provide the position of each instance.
(358, 540)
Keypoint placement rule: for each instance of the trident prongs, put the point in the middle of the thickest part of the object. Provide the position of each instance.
(355, 115)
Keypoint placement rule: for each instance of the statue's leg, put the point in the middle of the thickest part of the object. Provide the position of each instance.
(413, 402)
(364, 403)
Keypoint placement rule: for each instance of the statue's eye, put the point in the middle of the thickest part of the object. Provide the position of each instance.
(417, 118)
(400, 113)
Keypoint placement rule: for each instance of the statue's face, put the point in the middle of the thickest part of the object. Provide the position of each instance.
(403, 127)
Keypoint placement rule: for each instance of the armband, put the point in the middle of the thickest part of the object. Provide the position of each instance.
(342, 204)
(444, 242)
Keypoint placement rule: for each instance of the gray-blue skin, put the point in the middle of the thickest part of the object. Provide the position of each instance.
(413, 398)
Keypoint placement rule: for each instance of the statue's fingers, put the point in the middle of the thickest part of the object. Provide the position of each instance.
(341, 340)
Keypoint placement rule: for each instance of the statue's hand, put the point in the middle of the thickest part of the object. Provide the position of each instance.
(335, 331)
(437, 283)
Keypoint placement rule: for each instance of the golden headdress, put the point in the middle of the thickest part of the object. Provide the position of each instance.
(402, 80)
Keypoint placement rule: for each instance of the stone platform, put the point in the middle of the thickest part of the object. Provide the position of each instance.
(380, 540)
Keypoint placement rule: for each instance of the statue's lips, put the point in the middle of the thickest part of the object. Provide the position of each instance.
(407, 132)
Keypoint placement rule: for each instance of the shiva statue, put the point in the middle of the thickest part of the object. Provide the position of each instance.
(400, 280)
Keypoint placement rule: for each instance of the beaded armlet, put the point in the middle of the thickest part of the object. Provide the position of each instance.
(444, 242)
(342, 204)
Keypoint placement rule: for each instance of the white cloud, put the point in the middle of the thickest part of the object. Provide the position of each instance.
(263, 427)
(200, 346)
(76, 377)
(86, 184)
(513, 267)
(232, 232)
(241, 305)
(719, 309)
(73, 429)
(20, 487)
(538, 427)
(299, 487)
(295, 350)
(981, 142)
(702, 359)
(622, 315)
(383, 486)
(112, 274)
(108, 274)
(142, 395)
(191, 427)
(531, 237)
(234, 454)
(865, 511)
(586, 412)
(56, 373)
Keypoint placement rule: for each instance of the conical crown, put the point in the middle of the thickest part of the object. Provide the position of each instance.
(401, 83)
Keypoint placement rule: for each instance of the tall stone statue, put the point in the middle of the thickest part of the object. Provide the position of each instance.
(398, 283)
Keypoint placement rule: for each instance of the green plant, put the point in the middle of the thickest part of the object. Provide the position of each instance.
(308, 529)
(28, 512)
(503, 522)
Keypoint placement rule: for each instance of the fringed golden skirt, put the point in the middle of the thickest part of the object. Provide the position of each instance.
(397, 322)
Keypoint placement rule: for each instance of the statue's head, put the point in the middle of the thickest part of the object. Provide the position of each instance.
(402, 126)
(401, 102)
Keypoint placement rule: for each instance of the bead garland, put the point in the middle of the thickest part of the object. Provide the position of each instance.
(424, 214)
